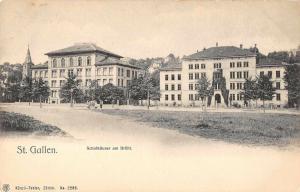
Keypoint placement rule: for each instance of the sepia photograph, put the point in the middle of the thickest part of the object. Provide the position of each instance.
(150, 96)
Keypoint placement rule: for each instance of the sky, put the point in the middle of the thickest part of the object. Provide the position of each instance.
(141, 29)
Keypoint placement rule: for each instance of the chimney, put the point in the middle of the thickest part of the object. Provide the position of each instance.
(216, 44)
(197, 51)
(255, 45)
(241, 46)
(204, 48)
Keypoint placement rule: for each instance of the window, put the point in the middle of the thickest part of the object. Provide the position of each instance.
(166, 87)
(277, 85)
(232, 86)
(122, 72)
(246, 64)
(166, 97)
(232, 64)
(217, 86)
(278, 97)
(88, 82)
(166, 77)
(232, 75)
(99, 71)
(88, 72)
(61, 83)
(239, 85)
(53, 83)
(110, 70)
(119, 72)
(197, 66)
(217, 65)
(261, 73)
(173, 77)
(203, 75)
(128, 82)
(179, 77)
(277, 74)
(62, 73)
(88, 61)
(196, 75)
(191, 86)
(172, 87)
(41, 73)
(54, 73)
(232, 97)
(63, 64)
(239, 64)
(110, 81)
(238, 97)
(191, 76)
(270, 74)
(197, 97)
(179, 97)
(54, 63)
(127, 73)
(202, 66)
(79, 61)
(104, 81)
(70, 72)
(196, 86)
(172, 97)
(179, 87)
(191, 97)
(46, 74)
(246, 74)
(71, 62)
(132, 74)
(190, 66)
(122, 82)
(105, 71)
(119, 82)
(239, 75)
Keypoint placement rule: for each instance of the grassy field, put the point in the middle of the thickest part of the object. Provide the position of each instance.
(21, 124)
(243, 128)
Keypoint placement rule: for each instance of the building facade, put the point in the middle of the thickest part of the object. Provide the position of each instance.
(88, 62)
(233, 63)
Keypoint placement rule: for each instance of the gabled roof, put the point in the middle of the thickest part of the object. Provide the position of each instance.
(220, 52)
(269, 62)
(81, 48)
(113, 61)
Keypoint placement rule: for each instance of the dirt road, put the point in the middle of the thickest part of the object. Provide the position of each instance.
(159, 159)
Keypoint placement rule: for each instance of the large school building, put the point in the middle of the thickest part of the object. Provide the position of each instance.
(85, 60)
(178, 85)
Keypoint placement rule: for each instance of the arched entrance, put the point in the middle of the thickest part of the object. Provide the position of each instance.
(218, 98)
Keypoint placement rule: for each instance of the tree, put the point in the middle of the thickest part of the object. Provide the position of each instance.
(292, 81)
(250, 90)
(144, 87)
(204, 89)
(70, 91)
(224, 91)
(110, 93)
(26, 92)
(265, 89)
(40, 91)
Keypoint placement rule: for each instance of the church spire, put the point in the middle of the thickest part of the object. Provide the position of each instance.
(28, 56)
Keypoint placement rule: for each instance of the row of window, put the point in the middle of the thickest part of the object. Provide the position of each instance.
(239, 74)
(173, 77)
(241, 85)
(71, 62)
(239, 64)
(40, 74)
(196, 75)
(71, 72)
(172, 98)
(270, 74)
(197, 66)
(172, 87)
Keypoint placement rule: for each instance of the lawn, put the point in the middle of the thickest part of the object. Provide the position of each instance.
(244, 128)
(15, 123)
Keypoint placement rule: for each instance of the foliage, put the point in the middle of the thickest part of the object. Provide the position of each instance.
(204, 89)
(71, 89)
(292, 80)
(265, 89)
(110, 93)
(250, 90)
(40, 90)
(26, 91)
